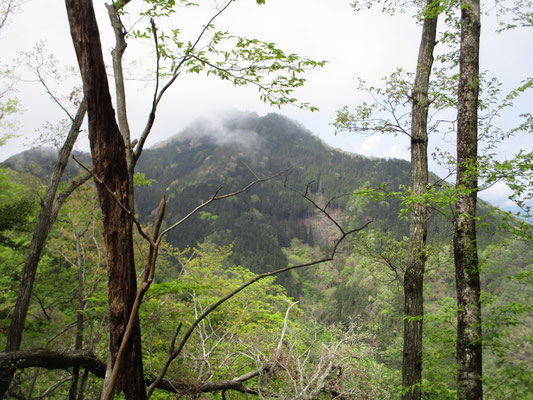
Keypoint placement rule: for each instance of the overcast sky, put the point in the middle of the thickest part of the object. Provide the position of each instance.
(366, 45)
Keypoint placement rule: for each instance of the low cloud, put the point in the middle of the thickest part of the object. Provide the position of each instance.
(498, 195)
(370, 145)
(398, 152)
(226, 129)
(383, 146)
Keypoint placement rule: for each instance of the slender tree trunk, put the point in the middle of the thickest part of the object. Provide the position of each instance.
(78, 345)
(47, 216)
(414, 273)
(109, 160)
(465, 246)
(120, 92)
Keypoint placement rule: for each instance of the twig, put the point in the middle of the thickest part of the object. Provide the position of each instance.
(252, 171)
(321, 209)
(214, 306)
(283, 332)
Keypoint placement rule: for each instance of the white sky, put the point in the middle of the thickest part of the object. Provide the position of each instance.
(368, 45)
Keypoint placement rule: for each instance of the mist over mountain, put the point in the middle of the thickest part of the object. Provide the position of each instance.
(226, 153)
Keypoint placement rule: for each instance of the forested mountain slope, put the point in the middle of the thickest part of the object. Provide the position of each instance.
(192, 165)
(226, 153)
(206, 156)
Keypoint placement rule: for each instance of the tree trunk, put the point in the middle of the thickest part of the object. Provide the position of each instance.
(47, 216)
(414, 273)
(465, 246)
(108, 154)
(120, 92)
(78, 345)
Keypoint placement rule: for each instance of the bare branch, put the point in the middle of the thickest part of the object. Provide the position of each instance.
(61, 197)
(251, 171)
(52, 360)
(41, 64)
(283, 332)
(323, 210)
(8, 8)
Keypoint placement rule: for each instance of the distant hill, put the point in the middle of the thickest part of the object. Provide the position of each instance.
(227, 152)
(40, 161)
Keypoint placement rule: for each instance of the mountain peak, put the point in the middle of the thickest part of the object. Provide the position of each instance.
(239, 127)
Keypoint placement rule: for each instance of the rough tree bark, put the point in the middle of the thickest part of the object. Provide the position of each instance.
(414, 273)
(465, 246)
(109, 160)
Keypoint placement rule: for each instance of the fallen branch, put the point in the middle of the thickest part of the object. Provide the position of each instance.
(53, 360)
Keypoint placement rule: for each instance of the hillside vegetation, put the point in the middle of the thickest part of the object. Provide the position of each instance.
(227, 153)
(344, 336)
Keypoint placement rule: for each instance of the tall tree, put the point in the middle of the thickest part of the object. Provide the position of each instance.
(417, 131)
(469, 349)
(109, 160)
(414, 272)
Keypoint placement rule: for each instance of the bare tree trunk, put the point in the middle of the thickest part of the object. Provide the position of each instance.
(414, 273)
(78, 345)
(465, 246)
(120, 91)
(47, 216)
(109, 159)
